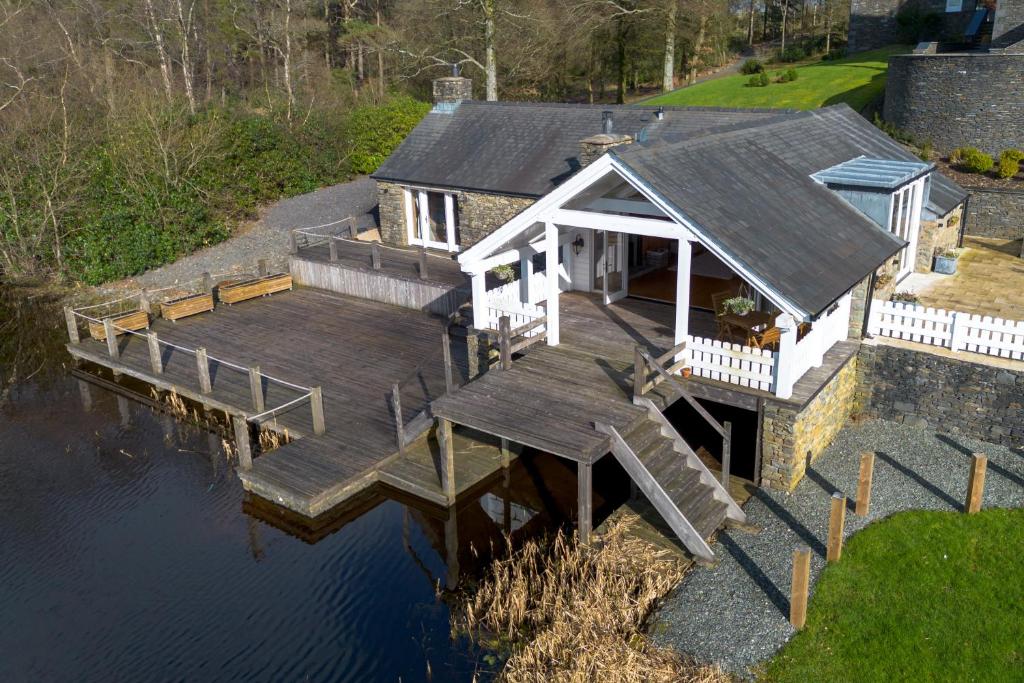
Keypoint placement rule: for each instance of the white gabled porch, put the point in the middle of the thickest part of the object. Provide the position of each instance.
(611, 240)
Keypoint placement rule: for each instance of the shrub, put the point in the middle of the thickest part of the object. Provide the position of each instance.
(971, 159)
(834, 53)
(375, 131)
(752, 66)
(905, 297)
(1012, 154)
(1008, 167)
(759, 80)
(793, 53)
(925, 151)
(788, 76)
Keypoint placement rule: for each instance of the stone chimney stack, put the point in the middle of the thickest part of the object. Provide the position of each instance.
(452, 89)
(593, 147)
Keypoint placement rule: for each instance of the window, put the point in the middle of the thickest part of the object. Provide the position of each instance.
(432, 219)
(954, 5)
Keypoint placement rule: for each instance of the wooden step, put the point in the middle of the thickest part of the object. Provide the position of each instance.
(646, 434)
(711, 518)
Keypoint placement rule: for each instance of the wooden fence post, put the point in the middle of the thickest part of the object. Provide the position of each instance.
(69, 319)
(261, 267)
(375, 255)
(207, 283)
(446, 352)
(111, 337)
(256, 389)
(203, 366)
(585, 500)
(798, 591)
(505, 341)
(242, 442)
(144, 303)
(473, 353)
(976, 483)
(444, 441)
(726, 454)
(396, 404)
(506, 455)
(423, 263)
(867, 467)
(316, 403)
(156, 362)
(836, 521)
(332, 248)
(293, 243)
(639, 372)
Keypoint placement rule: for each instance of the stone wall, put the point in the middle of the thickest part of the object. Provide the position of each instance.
(873, 22)
(858, 302)
(941, 393)
(941, 234)
(958, 100)
(1009, 15)
(789, 433)
(996, 213)
(480, 214)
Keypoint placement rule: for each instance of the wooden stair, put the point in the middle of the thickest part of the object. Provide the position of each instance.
(679, 486)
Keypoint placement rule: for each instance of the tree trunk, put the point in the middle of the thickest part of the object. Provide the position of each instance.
(620, 96)
(785, 14)
(490, 64)
(764, 24)
(668, 74)
(185, 27)
(288, 57)
(698, 44)
(750, 25)
(828, 28)
(158, 38)
(381, 82)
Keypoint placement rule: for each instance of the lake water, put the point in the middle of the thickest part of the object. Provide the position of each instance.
(131, 553)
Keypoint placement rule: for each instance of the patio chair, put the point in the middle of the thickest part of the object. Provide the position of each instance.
(768, 338)
(718, 303)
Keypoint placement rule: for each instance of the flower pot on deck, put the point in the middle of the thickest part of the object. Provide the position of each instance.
(945, 264)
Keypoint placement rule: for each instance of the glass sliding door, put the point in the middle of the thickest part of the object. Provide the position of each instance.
(610, 265)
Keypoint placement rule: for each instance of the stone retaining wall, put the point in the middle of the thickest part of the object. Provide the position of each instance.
(925, 389)
(790, 434)
(996, 213)
(941, 234)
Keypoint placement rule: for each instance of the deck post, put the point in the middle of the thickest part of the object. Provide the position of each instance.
(207, 283)
(316, 404)
(525, 276)
(444, 441)
(836, 521)
(111, 334)
(156, 362)
(423, 263)
(446, 352)
(144, 303)
(332, 249)
(256, 388)
(976, 483)
(639, 372)
(798, 590)
(85, 393)
(473, 353)
(506, 454)
(293, 243)
(551, 241)
(682, 297)
(242, 442)
(261, 267)
(585, 498)
(203, 366)
(726, 453)
(396, 405)
(478, 282)
(451, 549)
(69, 319)
(375, 255)
(505, 341)
(867, 466)
(783, 379)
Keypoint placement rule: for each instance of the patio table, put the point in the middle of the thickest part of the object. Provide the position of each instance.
(748, 325)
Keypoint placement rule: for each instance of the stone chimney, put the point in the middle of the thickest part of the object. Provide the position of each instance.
(452, 89)
(593, 147)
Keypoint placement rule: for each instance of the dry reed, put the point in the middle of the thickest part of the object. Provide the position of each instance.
(571, 612)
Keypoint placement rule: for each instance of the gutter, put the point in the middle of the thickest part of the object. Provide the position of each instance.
(963, 222)
(864, 334)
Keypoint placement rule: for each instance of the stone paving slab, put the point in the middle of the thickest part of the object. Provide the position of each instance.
(737, 614)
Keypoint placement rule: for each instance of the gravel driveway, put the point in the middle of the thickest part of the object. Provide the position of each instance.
(737, 614)
(268, 238)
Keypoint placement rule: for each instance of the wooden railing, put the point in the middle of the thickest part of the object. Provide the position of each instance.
(305, 238)
(644, 363)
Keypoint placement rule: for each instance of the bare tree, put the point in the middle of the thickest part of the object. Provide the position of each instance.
(156, 31)
(668, 72)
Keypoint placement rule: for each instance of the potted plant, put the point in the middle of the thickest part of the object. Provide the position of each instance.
(945, 261)
(740, 305)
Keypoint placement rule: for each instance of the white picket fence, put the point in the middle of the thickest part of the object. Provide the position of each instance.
(952, 330)
(732, 363)
(511, 291)
(506, 300)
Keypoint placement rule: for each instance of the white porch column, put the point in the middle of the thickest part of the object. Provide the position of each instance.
(786, 358)
(479, 281)
(525, 276)
(551, 240)
(683, 295)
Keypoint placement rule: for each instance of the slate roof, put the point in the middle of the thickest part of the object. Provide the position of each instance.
(528, 149)
(804, 240)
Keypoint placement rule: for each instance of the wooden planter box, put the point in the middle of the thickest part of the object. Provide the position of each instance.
(185, 306)
(137, 320)
(250, 289)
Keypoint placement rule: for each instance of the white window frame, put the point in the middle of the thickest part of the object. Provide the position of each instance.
(415, 233)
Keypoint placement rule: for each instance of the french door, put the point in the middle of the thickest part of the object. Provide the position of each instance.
(611, 274)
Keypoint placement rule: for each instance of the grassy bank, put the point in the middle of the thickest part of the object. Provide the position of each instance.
(922, 596)
(856, 80)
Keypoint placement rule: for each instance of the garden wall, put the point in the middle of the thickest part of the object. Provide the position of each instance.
(941, 393)
(958, 100)
(996, 213)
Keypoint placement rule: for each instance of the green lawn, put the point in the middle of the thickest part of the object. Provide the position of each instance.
(856, 80)
(922, 596)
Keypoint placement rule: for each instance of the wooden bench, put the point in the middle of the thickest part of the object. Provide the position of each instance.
(184, 306)
(234, 292)
(136, 320)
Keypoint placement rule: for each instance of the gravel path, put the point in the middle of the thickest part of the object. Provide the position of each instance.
(737, 614)
(268, 237)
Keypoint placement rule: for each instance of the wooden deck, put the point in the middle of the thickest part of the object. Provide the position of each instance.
(355, 350)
